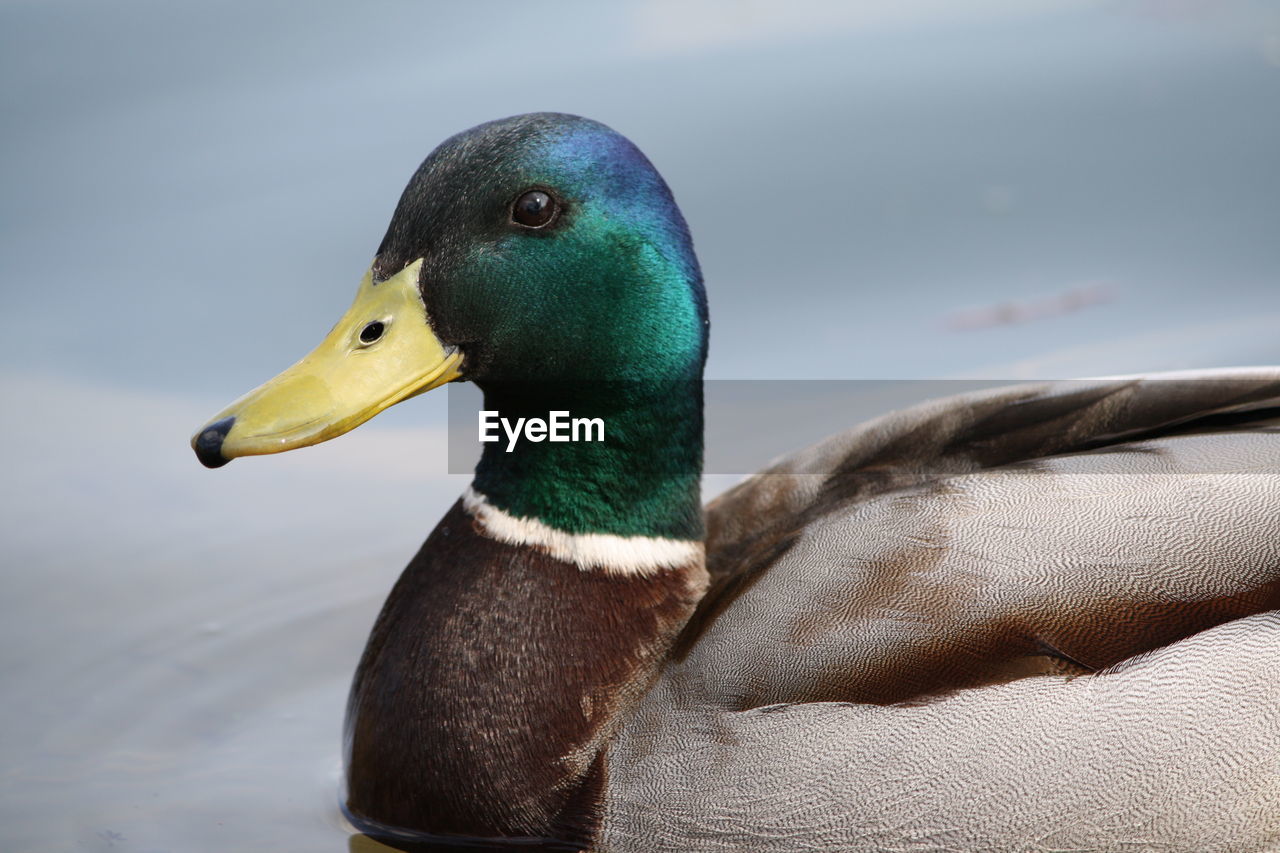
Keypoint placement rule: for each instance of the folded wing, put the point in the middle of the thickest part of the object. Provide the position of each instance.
(1044, 529)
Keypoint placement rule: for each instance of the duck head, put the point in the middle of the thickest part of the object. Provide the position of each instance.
(543, 247)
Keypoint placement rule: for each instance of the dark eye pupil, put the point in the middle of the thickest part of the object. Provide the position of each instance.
(371, 332)
(534, 209)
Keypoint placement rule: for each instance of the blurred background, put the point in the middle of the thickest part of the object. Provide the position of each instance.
(915, 189)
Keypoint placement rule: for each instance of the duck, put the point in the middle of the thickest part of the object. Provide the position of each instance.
(1030, 618)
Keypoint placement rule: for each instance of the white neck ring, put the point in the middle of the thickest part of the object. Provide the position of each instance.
(636, 556)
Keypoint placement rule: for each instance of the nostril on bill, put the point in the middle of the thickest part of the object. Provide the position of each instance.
(208, 444)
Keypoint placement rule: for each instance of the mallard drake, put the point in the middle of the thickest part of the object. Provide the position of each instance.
(1032, 618)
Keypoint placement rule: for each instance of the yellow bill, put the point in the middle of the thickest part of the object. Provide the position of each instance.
(382, 351)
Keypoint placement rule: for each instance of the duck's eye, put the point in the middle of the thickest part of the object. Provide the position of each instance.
(534, 209)
(372, 332)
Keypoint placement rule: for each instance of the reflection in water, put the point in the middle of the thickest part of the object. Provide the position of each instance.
(409, 842)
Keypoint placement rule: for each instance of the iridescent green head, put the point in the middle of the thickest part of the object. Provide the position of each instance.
(543, 258)
(543, 248)
(552, 250)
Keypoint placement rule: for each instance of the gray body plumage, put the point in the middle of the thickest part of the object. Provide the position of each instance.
(1031, 619)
